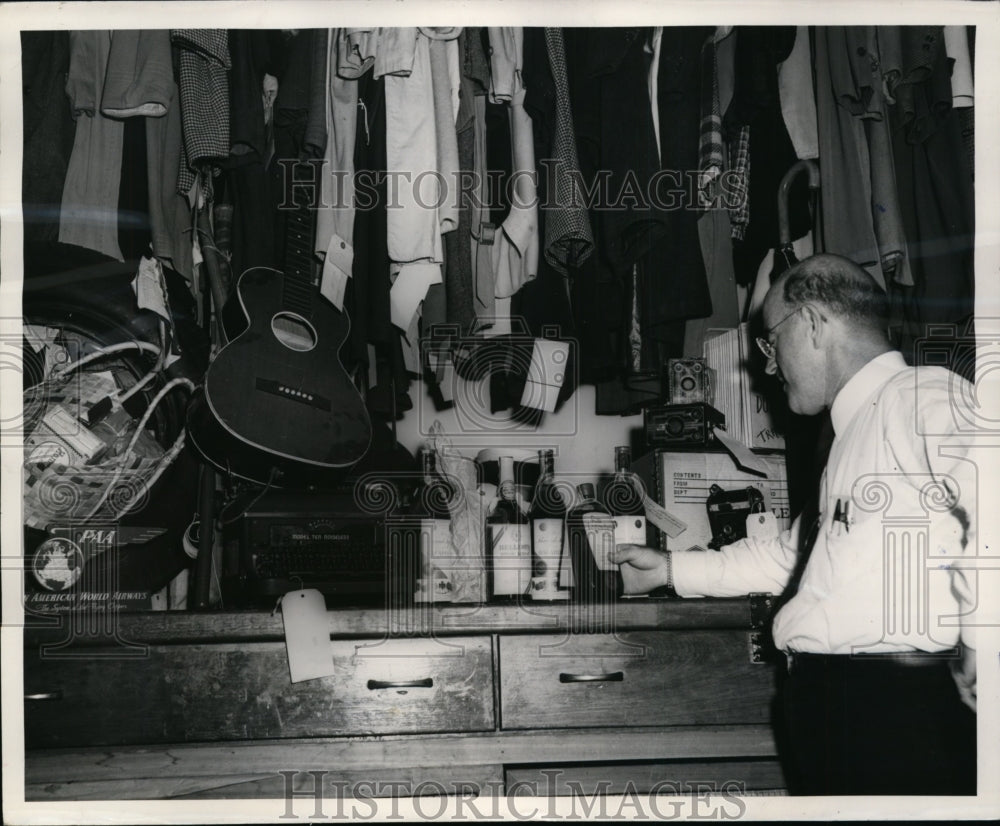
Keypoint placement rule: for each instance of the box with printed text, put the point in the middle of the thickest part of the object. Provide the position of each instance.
(683, 480)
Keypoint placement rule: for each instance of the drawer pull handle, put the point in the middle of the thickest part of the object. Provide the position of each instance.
(611, 677)
(426, 682)
(44, 695)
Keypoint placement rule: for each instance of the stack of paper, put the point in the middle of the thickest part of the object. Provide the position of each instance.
(722, 354)
(738, 389)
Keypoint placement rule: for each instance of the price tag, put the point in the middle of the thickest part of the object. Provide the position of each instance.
(762, 525)
(663, 519)
(307, 635)
(337, 266)
(546, 374)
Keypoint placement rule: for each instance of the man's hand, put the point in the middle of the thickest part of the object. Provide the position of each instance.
(963, 670)
(643, 569)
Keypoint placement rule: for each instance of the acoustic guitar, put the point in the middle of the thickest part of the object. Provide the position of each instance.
(278, 407)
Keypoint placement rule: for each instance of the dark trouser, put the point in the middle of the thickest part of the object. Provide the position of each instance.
(872, 725)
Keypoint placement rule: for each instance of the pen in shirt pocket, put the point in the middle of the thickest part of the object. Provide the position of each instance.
(840, 517)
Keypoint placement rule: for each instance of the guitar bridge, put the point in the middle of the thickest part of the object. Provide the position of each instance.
(294, 394)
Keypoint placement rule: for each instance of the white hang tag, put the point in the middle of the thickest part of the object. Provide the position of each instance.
(663, 519)
(546, 374)
(150, 288)
(409, 289)
(196, 257)
(762, 525)
(337, 266)
(307, 635)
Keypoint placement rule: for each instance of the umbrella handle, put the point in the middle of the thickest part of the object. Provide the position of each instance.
(784, 232)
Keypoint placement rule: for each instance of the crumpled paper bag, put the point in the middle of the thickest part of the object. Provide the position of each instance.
(460, 576)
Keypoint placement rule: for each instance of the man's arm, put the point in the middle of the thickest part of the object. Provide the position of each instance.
(744, 567)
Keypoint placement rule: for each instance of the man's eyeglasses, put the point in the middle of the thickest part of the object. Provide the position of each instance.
(766, 347)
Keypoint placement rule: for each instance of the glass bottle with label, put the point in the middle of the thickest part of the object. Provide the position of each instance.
(508, 540)
(591, 533)
(624, 501)
(547, 514)
(431, 518)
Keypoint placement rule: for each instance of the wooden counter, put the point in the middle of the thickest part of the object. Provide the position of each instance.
(474, 699)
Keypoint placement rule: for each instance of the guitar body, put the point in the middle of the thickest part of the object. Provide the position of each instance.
(281, 405)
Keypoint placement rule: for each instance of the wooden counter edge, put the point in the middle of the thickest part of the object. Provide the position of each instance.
(179, 627)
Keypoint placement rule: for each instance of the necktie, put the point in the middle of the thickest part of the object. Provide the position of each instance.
(812, 513)
(568, 237)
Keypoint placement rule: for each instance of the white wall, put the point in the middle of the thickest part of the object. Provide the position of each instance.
(584, 442)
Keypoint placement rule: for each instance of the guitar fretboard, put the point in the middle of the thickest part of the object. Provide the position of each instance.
(298, 291)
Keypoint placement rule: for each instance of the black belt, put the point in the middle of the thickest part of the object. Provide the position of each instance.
(907, 659)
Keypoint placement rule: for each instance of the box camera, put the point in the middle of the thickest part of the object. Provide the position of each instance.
(682, 425)
(728, 511)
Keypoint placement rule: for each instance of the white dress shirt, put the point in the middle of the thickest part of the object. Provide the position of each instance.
(880, 578)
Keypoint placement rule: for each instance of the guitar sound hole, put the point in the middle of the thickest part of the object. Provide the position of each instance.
(294, 332)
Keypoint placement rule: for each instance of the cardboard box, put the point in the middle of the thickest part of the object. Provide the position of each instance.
(683, 479)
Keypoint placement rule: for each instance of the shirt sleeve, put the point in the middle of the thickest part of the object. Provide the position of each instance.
(745, 567)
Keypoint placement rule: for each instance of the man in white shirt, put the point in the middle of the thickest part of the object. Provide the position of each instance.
(880, 693)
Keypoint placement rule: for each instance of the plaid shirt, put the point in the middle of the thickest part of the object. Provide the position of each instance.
(739, 163)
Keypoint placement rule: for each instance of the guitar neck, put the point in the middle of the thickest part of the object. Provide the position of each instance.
(299, 288)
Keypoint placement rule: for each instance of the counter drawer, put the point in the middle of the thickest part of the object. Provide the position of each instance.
(653, 678)
(187, 693)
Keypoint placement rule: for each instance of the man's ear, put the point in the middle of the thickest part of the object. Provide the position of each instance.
(816, 326)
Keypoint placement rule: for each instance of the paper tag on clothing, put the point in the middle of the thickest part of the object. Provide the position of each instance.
(763, 526)
(307, 635)
(499, 322)
(409, 289)
(197, 259)
(150, 289)
(546, 374)
(662, 518)
(337, 266)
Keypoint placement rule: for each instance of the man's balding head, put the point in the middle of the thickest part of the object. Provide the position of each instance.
(825, 318)
(838, 286)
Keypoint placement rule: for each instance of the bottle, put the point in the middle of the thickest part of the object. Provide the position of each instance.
(508, 540)
(546, 514)
(624, 501)
(432, 520)
(591, 533)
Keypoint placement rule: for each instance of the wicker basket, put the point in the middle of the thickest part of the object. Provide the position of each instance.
(73, 475)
